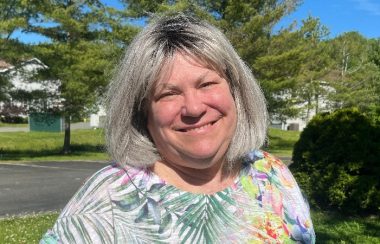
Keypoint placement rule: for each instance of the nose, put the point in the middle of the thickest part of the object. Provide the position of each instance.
(193, 105)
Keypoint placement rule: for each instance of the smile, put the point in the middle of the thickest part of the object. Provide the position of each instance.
(197, 129)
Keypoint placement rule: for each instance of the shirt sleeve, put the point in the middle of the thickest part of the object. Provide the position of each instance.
(296, 209)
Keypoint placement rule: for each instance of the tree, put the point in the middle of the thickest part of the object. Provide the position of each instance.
(14, 15)
(355, 76)
(86, 39)
(247, 24)
(292, 69)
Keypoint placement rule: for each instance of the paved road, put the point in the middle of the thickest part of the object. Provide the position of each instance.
(41, 186)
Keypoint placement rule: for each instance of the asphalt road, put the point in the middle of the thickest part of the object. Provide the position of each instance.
(41, 186)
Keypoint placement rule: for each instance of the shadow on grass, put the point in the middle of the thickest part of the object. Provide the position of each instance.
(76, 150)
(333, 227)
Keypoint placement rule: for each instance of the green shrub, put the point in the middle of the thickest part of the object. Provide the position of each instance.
(337, 162)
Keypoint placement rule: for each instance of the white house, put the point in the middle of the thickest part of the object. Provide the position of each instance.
(21, 79)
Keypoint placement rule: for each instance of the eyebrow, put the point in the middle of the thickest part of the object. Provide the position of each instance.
(170, 86)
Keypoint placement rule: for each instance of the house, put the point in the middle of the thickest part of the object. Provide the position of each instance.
(318, 103)
(21, 95)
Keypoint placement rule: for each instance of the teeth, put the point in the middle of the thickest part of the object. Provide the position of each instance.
(199, 128)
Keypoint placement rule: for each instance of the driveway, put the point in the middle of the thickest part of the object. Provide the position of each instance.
(41, 186)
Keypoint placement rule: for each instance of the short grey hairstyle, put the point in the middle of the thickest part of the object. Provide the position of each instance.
(127, 137)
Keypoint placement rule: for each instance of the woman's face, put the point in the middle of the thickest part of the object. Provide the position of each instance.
(191, 114)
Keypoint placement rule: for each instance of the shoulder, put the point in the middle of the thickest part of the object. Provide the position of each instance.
(88, 216)
(268, 168)
(279, 188)
(96, 190)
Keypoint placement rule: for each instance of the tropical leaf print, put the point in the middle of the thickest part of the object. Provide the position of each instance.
(133, 205)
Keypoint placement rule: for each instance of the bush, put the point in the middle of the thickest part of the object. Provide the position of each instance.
(14, 119)
(337, 162)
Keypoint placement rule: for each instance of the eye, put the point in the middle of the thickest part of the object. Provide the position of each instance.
(207, 84)
(166, 94)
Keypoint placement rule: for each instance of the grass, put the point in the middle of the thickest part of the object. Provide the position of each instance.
(281, 142)
(32, 146)
(89, 145)
(12, 125)
(26, 229)
(329, 228)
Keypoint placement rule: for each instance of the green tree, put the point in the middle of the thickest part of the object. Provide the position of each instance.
(247, 24)
(14, 16)
(86, 39)
(293, 68)
(356, 75)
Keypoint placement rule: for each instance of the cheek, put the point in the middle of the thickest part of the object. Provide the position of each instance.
(162, 114)
(223, 101)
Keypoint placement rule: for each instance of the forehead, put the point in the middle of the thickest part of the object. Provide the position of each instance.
(180, 62)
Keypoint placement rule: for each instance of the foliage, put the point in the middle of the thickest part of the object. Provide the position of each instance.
(355, 75)
(86, 145)
(85, 39)
(336, 162)
(14, 120)
(25, 229)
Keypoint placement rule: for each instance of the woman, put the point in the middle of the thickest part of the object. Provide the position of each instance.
(185, 117)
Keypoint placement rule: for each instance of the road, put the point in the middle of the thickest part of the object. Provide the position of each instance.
(41, 186)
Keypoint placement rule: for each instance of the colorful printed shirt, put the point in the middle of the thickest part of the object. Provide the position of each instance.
(134, 205)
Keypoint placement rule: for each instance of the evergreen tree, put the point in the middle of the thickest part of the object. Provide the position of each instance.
(86, 39)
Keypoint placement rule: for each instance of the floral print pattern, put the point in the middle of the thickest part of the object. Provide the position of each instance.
(133, 205)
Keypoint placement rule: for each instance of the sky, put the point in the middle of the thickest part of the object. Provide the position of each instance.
(339, 16)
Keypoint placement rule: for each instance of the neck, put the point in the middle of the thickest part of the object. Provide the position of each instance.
(207, 181)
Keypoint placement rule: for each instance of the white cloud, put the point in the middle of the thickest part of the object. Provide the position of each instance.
(370, 6)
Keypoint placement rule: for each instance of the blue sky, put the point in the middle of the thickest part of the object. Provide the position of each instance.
(338, 16)
(341, 16)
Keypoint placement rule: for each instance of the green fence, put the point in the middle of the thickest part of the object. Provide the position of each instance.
(46, 122)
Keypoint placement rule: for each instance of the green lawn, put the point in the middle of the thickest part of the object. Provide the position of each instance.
(281, 142)
(89, 145)
(85, 145)
(12, 125)
(336, 228)
(27, 229)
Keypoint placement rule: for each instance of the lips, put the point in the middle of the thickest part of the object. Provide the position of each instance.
(198, 128)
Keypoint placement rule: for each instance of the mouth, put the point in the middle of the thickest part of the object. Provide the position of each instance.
(197, 128)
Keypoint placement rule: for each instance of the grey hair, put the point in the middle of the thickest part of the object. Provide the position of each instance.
(128, 140)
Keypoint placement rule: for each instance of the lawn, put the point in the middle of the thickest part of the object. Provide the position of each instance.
(85, 145)
(89, 145)
(281, 142)
(12, 125)
(26, 229)
(329, 228)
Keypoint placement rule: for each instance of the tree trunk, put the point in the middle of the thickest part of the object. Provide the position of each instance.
(66, 142)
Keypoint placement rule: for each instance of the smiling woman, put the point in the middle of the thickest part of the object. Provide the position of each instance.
(185, 121)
